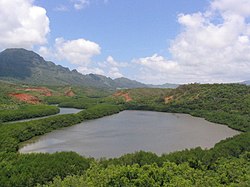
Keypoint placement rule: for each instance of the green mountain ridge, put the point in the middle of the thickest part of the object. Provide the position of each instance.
(23, 66)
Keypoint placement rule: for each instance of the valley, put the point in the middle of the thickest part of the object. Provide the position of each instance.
(118, 132)
(226, 104)
(105, 93)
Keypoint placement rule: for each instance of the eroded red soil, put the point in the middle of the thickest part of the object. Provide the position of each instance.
(168, 99)
(44, 91)
(25, 97)
(69, 93)
(126, 96)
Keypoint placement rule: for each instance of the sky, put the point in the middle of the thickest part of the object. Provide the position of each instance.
(151, 41)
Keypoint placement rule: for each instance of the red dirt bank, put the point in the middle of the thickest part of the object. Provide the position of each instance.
(69, 93)
(25, 98)
(168, 99)
(42, 90)
(126, 96)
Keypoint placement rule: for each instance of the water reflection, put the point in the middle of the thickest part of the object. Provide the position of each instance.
(131, 131)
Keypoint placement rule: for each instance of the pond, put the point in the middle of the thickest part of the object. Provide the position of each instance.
(131, 131)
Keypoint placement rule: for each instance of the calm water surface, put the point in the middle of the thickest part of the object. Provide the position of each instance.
(131, 131)
(62, 111)
(68, 111)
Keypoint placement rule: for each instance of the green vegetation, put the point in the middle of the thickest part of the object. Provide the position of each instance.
(82, 102)
(226, 104)
(11, 109)
(27, 111)
(6, 102)
(221, 103)
(196, 158)
(233, 172)
(227, 164)
(148, 96)
(83, 97)
(30, 169)
(142, 98)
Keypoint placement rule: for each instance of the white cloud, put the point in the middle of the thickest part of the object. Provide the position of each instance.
(207, 50)
(158, 63)
(88, 70)
(111, 62)
(22, 24)
(194, 20)
(114, 72)
(109, 68)
(239, 7)
(80, 4)
(61, 8)
(112, 67)
(45, 52)
(78, 51)
(157, 69)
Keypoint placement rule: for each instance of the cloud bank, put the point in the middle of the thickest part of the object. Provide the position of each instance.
(22, 24)
(214, 46)
(80, 52)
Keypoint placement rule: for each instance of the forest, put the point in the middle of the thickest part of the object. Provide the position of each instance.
(226, 164)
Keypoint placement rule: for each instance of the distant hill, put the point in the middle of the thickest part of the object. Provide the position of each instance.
(246, 82)
(166, 85)
(23, 66)
(127, 83)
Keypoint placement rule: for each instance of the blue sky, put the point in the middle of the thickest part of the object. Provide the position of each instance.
(152, 41)
(124, 29)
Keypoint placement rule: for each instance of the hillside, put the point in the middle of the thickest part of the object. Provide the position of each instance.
(246, 82)
(23, 66)
(127, 83)
(221, 103)
(166, 85)
(226, 164)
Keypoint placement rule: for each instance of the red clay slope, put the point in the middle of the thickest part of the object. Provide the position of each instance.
(25, 98)
(42, 90)
(126, 96)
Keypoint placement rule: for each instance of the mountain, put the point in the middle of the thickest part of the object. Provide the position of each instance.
(246, 82)
(166, 85)
(127, 83)
(23, 66)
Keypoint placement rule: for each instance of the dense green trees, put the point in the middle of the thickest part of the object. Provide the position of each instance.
(196, 158)
(225, 172)
(30, 169)
(27, 111)
(221, 103)
(227, 164)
